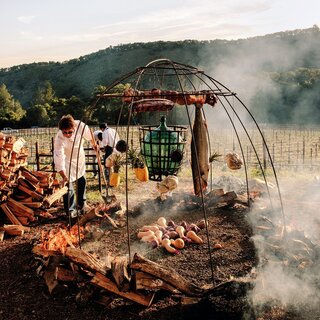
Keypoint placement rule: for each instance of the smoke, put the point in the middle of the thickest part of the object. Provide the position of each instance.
(246, 65)
(287, 273)
(275, 283)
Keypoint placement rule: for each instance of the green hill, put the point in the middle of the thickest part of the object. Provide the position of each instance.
(273, 55)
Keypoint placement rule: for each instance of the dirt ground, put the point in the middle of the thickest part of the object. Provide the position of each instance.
(24, 294)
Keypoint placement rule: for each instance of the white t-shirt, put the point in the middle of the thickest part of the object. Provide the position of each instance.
(66, 149)
(109, 137)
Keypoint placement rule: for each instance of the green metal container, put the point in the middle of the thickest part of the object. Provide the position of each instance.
(162, 148)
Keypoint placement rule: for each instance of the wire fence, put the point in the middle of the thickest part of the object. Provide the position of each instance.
(290, 147)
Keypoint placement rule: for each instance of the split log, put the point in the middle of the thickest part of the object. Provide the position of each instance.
(40, 251)
(32, 205)
(29, 176)
(103, 300)
(166, 274)
(50, 273)
(28, 184)
(119, 270)
(64, 275)
(2, 235)
(148, 282)
(14, 230)
(85, 259)
(90, 215)
(19, 207)
(24, 220)
(48, 201)
(35, 195)
(103, 282)
(228, 198)
(9, 214)
(232, 288)
(12, 226)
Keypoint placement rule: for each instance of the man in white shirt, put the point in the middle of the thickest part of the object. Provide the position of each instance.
(69, 159)
(110, 138)
(98, 138)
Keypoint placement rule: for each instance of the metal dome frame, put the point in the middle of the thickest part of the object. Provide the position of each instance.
(185, 76)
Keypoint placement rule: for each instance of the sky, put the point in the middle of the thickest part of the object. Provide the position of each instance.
(59, 30)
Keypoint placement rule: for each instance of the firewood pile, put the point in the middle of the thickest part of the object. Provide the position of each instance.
(62, 264)
(24, 195)
(104, 280)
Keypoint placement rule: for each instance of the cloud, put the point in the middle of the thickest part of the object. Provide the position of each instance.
(26, 19)
(30, 36)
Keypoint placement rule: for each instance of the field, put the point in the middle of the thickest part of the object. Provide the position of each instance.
(290, 148)
(248, 236)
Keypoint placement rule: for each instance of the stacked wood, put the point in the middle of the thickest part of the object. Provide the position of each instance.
(138, 282)
(24, 195)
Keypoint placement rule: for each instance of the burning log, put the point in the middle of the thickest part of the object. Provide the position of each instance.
(59, 239)
(120, 274)
(227, 198)
(86, 260)
(100, 212)
(105, 283)
(146, 281)
(166, 274)
(64, 275)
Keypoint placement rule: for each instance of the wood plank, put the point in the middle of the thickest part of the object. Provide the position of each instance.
(105, 283)
(24, 220)
(32, 205)
(119, 270)
(63, 274)
(15, 204)
(146, 281)
(166, 274)
(9, 214)
(85, 259)
(29, 176)
(13, 226)
(48, 201)
(31, 193)
(40, 251)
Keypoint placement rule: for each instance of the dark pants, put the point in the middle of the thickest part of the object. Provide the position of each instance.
(69, 198)
(108, 152)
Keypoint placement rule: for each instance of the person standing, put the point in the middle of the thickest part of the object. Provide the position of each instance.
(97, 135)
(110, 138)
(69, 160)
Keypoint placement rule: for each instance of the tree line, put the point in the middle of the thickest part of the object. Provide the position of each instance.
(286, 64)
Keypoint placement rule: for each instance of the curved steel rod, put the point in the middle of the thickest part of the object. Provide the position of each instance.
(267, 149)
(272, 166)
(251, 143)
(199, 177)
